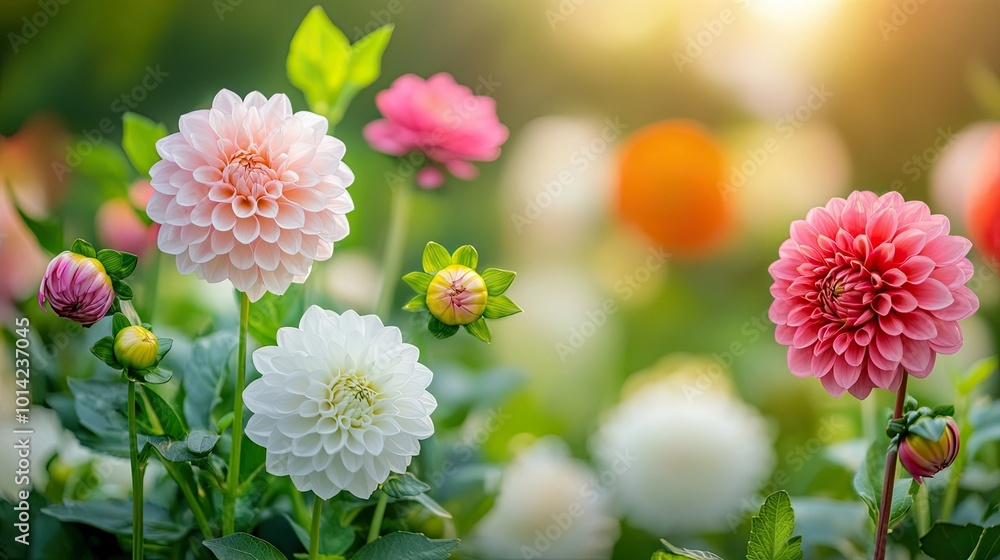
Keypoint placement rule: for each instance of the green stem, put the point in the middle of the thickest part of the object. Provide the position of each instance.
(922, 510)
(958, 467)
(314, 534)
(882, 529)
(392, 259)
(233, 483)
(133, 455)
(298, 507)
(376, 527)
(192, 500)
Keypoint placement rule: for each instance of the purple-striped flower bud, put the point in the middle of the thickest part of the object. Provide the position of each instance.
(924, 458)
(77, 288)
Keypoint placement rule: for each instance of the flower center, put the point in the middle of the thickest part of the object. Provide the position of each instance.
(352, 400)
(457, 295)
(248, 171)
(844, 294)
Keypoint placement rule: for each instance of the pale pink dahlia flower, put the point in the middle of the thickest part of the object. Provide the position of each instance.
(250, 192)
(869, 287)
(445, 121)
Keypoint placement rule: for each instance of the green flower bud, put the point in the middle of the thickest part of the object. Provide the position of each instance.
(136, 347)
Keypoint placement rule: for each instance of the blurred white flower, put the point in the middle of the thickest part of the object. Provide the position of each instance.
(699, 454)
(341, 403)
(550, 506)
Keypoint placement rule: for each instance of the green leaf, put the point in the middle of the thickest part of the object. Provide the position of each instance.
(435, 258)
(674, 552)
(771, 531)
(439, 329)
(242, 546)
(194, 447)
(868, 484)
(205, 376)
(104, 349)
(102, 408)
(252, 457)
(466, 255)
(118, 322)
(416, 303)
(497, 280)
(139, 136)
(159, 418)
(419, 281)
(989, 544)
(271, 312)
(366, 57)
(318, 60)
(122, 290)
(48, 231)
(406, 546)
(498, 307)
(115, 516)
(112, 260)
(334, 537)
(979, 372)
(948, 541)
(165, 345)
(129, 261)
(155, 375)
(479, 330)
(81, 247)
(404, 485)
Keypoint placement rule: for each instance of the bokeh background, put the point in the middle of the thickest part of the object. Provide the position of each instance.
(801, 101)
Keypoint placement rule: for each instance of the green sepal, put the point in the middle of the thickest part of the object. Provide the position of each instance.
(479, 330)
(165, 345)
(497, 280)
(416, 303)
(112, 261)
(81, 247)
(498, 307)
(118, 322)
(122, 290)
(104, 349)
(419, 281)
(466, 255)
(929, 428)
(129, 262)
(435, 258)
(439, 329)
(154, 375)
(404, 486)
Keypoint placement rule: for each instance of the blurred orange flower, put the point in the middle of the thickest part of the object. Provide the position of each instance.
(984, 204)
(669, 186)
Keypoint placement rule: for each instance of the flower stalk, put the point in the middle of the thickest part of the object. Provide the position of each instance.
(376, 527)
(317, 517)
(392, 260)
(133, 454)
(882, 529)
(233, 482)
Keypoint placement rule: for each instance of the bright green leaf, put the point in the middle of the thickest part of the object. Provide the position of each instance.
(271, 312)
(498, 307)
(479, 330)
(48, 231)
(318, 60)
(674, 552)
(466, 255)
(979, 372)
(439, 329)
(771, 531)
(406, 546)
(419, 281)
(243, 546)
(81, 247)
(366, 57)
(158, 418)
(112, 260)
(139, 136)
(104, 349)
(416, 303)
(118, 322)
(435, 258)
(128, 264)
(497, 280)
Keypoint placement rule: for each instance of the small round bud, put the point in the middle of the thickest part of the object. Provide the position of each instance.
(924, 458)
(76, 287)
(457, 295)
(136, 347)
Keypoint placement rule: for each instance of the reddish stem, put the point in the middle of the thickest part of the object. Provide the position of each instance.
(882, 530)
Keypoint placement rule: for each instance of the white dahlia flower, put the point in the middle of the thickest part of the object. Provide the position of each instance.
(550, 505)
(341, 403)
(700, 453)
(250, 192)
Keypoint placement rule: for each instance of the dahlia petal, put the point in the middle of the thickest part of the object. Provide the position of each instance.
(844, 373)
(831, 386)
(932, 295)
(909, 242)
(966, 303)
(223, 217)
(919, 326)
(890, 347)
(246, 229)
(917, 268)
(916, 356)
(882, 226)
(799, 362)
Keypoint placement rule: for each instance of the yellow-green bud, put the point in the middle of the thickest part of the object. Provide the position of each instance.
(457, 295)
(136, 347)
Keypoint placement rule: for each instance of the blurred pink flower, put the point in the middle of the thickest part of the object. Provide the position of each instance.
(32, 161)
(250, 192)
(445, 121)
(869, 287)
(77, 288)
(120, 228)
(22, 254)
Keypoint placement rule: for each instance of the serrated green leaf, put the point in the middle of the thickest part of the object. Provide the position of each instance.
(139, 137)
(112, 260)
(771, 531)
(243, 546)
(416, 303)
(439, 329)
(466, 255)
(81, 247)
(498, 307)
(497, 280)
(155, 375)
(318, 60)
(129, 261)
(118, 322)
(435, 258)
(674, 552)
(406, 546)
(104, 349)
(419, 281)
(479, 329)
(205, 376)
(404, 485)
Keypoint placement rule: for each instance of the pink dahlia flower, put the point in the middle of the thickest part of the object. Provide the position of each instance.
(77, 288)
(441, 119)
(869, 287)
(250, 192)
